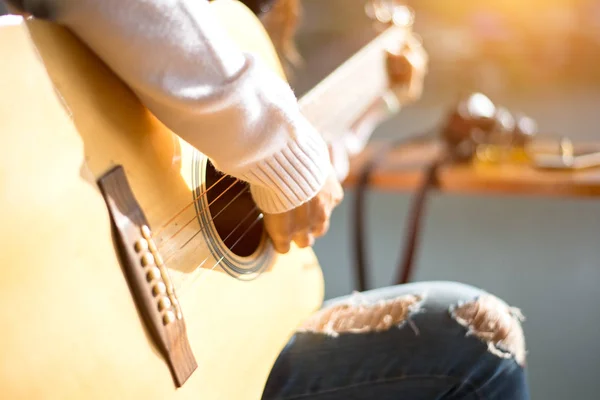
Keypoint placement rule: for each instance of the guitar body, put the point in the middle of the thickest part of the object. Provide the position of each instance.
(70, 326)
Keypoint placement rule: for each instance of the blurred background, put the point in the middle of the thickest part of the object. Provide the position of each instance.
(540, 254)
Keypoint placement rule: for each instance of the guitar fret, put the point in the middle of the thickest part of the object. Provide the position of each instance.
(333, 104)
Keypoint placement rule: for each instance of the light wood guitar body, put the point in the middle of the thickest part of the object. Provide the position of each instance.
(70, 327)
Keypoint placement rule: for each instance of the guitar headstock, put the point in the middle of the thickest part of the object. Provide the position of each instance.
(389, 12)
(407, 60)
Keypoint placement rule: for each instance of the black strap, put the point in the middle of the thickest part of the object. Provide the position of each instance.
(414, 223)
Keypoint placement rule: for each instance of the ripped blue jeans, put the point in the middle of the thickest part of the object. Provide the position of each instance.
(421, 341)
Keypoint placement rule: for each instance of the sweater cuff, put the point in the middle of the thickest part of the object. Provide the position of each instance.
(292, 176)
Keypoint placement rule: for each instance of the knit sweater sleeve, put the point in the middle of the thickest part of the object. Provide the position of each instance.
(181, 64)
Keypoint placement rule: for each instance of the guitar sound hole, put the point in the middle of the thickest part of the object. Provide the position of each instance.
(233, 212)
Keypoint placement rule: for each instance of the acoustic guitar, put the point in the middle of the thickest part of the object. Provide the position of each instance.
(131, 268)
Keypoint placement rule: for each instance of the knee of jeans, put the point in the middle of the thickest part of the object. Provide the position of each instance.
(358, 316)
(495, 323)
(483, 315)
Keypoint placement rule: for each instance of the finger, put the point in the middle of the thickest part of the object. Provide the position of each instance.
(304, 239)
(319, 209)
(278, 225)
(321, 229)
(338, 195)
(282, 246)
(320, 220)
(301, 219)
(278, 229)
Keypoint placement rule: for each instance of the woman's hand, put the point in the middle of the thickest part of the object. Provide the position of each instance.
(306, 222)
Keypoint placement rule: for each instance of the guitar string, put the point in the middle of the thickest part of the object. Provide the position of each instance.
(161, 228)
(196, 276)
(215, 217)
(202, 274)
(198, 214)
(170, 256)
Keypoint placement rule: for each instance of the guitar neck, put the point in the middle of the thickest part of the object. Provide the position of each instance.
(335, 103)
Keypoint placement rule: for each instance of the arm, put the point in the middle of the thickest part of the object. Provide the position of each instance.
(183, 67)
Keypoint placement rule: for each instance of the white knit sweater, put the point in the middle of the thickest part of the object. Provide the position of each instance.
(185, 69)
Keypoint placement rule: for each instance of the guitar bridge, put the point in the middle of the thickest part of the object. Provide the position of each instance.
(147, 275)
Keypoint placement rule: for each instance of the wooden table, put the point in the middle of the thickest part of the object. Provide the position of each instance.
(403, 169)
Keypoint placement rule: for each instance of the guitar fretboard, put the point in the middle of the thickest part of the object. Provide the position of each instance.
(337, 101)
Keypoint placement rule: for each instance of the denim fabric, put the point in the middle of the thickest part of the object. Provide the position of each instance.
(429, 357)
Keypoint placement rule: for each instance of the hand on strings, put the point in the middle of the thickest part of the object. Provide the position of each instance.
(306, 222)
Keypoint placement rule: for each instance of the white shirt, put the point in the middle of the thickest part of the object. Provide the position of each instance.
(180, 62)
